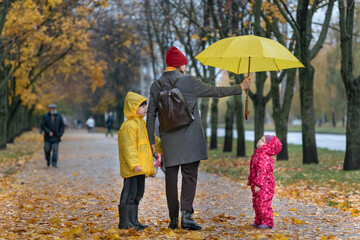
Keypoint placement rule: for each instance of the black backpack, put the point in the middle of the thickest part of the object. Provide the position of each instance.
(174, 112)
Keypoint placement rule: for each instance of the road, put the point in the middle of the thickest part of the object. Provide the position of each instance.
(323, 140)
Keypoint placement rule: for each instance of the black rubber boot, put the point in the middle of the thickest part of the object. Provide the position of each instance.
(124, 222)
(187, 222)
(134, 210)
(174, 223)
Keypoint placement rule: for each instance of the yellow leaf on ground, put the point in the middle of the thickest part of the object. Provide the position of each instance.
(296, 221)
(55, 221)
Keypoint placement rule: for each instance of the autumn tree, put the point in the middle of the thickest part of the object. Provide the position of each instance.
(352, 85)
(306, 48)
(190, 26)
(34, 43)
(116, 37)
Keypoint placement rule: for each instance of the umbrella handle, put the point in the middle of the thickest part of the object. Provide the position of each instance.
(246, 105)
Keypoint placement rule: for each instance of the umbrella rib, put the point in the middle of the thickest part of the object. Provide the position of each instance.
(276, 65)
(237, 72)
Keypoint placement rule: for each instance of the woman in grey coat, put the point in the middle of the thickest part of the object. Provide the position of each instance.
(184, 147)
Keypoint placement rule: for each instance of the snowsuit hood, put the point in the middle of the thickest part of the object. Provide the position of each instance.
(132, 103)
(271, 148)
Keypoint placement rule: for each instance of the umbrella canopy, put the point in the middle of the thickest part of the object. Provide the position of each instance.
(233, 54)
(248, 53)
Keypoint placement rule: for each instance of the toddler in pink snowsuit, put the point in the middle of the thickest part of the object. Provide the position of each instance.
(261, 180)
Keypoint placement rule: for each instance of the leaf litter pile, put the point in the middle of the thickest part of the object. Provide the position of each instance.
(78, 200)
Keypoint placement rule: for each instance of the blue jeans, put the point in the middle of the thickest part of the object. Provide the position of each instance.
(47, 148)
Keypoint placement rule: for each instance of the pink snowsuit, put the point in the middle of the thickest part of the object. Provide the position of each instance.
(261, 175)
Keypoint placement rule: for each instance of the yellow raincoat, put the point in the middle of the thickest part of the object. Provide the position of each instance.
(133, 141)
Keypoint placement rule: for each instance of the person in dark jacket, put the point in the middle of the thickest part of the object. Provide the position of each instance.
(109, 124)
(184, 147)
(53, 126)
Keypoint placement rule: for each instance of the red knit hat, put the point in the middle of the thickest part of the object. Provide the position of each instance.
(175, 58)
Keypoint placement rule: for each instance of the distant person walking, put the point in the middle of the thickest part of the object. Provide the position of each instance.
(90, 123)
(109, 124)
(53, 126)
(186, 146)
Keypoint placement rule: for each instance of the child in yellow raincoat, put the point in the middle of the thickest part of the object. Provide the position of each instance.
(136, 161)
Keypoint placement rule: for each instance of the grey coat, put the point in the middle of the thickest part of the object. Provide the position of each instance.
(186, 144)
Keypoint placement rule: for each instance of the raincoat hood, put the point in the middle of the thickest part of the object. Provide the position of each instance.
(132, 103)
(271, 148)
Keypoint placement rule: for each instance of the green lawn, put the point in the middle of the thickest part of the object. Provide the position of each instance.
(285, 172)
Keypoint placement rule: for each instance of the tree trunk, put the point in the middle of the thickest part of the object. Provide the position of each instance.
(307, 115)
(214, 123)
(352, 86)
(204, 108)
(239, 114)
(229, 124)
(304, 15)
(279, 120)
(259, 106)
(13, 118)
(120, 113)
(3, 117)
(306, 77)
(281, 108)
(352, 154)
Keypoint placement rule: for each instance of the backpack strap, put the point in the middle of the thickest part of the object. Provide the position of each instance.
(173, 83)
(176, 80)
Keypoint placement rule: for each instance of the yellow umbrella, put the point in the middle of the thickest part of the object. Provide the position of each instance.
(248, 53)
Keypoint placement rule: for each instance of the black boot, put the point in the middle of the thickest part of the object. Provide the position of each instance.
(134, 209)
(124, 222)
(174, 223)
(187, 222)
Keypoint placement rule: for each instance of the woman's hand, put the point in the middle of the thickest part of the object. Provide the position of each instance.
(246, 83)
(152, 146)
(137, 169)
(256, 189)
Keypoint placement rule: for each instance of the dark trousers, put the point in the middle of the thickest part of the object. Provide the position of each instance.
(133, 190)
(109, 131)
(189, 174)
(47, 148)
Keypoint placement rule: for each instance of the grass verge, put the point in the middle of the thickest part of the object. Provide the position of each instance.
(15, 155)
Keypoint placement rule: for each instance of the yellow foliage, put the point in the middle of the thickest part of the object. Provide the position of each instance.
(195, 36)
(45, 34)
(107, 100)
(55, 221)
